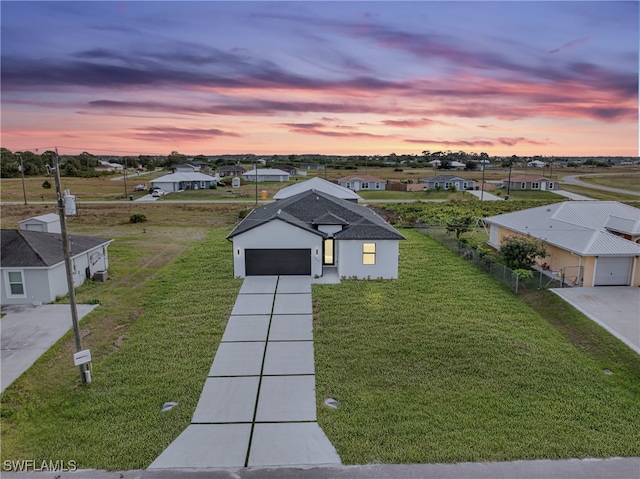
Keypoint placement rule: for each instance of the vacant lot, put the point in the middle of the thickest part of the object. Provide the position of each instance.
(628, 181)
(444, 365)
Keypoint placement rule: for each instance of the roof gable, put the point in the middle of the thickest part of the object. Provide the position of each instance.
(309, 206)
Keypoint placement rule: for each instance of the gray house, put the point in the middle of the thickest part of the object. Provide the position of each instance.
(318, 184)
(312, 231)
(362, 182)
(529, 182)
(446, 182)
(32, 264)
(231, 170)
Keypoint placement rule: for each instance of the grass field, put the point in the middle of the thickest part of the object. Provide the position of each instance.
(598, 194)
(441, 365)
(629, 182)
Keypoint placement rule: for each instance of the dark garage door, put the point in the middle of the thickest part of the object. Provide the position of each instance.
(259, 262)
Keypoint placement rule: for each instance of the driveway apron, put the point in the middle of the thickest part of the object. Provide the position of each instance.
(258, 405)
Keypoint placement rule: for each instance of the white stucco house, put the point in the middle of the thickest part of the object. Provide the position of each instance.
(184, 181)
(318, 184)
(311, 232)
(32, 265)
(266, 174)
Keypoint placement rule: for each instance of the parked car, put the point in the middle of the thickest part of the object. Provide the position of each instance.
(140, 187)
(157, 193)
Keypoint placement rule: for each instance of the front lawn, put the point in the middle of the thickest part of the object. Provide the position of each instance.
(445, 365)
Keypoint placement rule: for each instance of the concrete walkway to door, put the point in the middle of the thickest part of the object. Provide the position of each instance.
(258, 405)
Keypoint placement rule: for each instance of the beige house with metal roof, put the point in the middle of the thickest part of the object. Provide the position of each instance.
(592, 243)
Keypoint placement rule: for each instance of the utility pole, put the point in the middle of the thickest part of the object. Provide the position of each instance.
(482, 189)
(24, 191)
(509, 183)
(67, 264)
(125, 177)
(255, 169)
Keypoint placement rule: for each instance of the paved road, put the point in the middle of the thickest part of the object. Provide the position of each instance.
(573, 180)
(613, 468)
(572, 196)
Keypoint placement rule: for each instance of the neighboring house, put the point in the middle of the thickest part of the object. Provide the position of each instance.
(184, 181)
(106, 166)
(362, 182)
(318, 184)
(309, 232)
(32, 265)
(292, 170)
(186, 168)
(529, 182)
(49, 223)
(312, 166)
(266, 174)
(446, 182)
(536, 164)
(231, 170)
(594, 243)
(453, 165)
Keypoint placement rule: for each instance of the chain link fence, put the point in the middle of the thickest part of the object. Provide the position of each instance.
(490, 266)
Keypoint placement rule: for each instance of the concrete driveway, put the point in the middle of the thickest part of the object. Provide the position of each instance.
(615, 308)
(28, 331)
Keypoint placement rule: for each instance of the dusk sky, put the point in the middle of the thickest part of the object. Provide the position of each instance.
(151, 77)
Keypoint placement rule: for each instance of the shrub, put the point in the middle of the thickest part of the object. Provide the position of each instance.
(46, 185)
(521, 253)
(137, 218)
(243, 213)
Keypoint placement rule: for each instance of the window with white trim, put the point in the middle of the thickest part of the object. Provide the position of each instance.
(368, 253)
(523, 186)
(365, 186)
(551, 185)
(535, 186)
(15, 285)
(377, 185)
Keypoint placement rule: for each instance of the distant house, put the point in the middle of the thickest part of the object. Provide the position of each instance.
(312, 166)
(536, 164)
(266, 174)
(318, 184)
(106, 166)
(453, 165)
(446, 182)
(184, 181)
(32, 265)
(292, 170)
(362, 182)
(187, 168)
(594, 243)
(529, 182)
(312, 232)
(231, 170)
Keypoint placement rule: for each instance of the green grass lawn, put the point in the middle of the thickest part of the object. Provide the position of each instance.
(444, 365)
(413, 195)
(527, 194)
(163, 329)
(598, 194)
(626, 181)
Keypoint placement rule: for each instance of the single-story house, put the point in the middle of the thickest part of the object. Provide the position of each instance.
(107, 166)
(187, 168)
(292, 170)
(312, 166)
(453, 164)
(594, 243)
(32, 267)
(529, 182)
(446, 182)
(318, 184)
(536, 164)
(184, 181)
(266, 174)
(231, 170)
(362, 182)
(312, 231)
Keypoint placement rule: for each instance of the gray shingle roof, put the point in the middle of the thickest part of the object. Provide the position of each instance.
(22, 249)
(307, 207)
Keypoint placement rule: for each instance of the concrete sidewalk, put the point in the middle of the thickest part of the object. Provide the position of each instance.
(258, 404)
(486, 196)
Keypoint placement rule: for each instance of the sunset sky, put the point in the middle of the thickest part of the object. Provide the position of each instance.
(371, 77)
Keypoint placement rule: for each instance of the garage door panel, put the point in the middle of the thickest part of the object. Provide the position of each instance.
(260, 262)
(613, 271)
